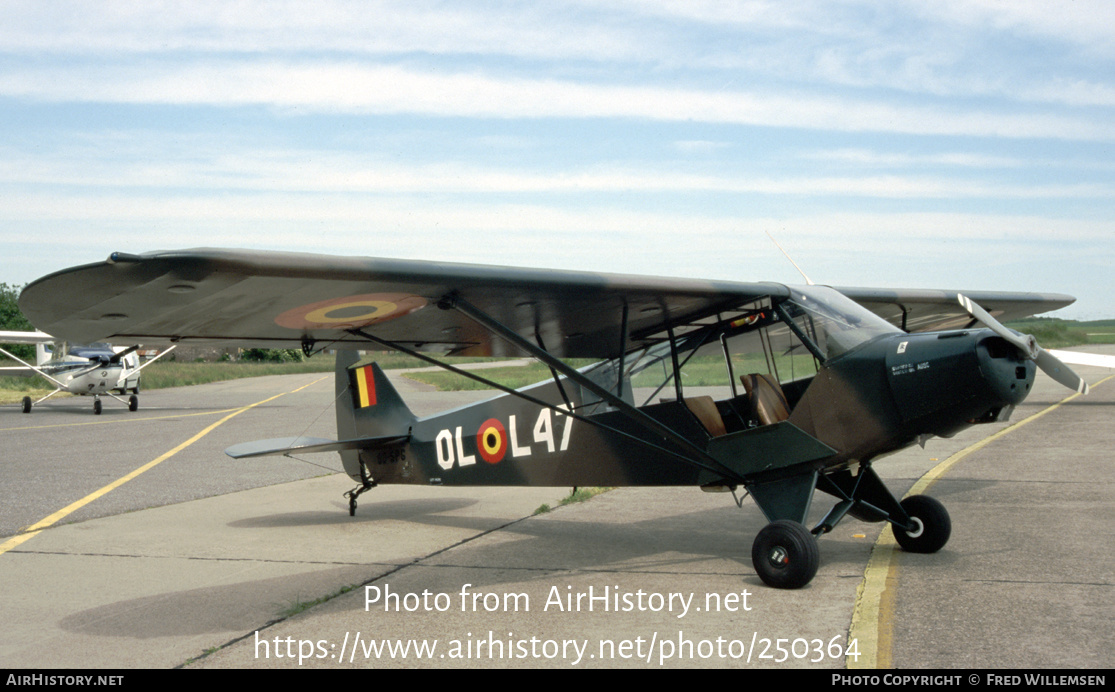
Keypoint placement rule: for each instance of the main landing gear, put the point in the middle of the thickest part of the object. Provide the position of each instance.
(931, 525)
(785, 553)
(133, 402)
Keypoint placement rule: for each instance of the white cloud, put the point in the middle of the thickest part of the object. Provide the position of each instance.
(646, 136)
(389, 89)
(1082, 23)
(336, 173)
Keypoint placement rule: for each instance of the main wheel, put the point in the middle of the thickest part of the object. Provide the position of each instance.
(133, 403)
(932, 526)
(785, 555)
(27, 404)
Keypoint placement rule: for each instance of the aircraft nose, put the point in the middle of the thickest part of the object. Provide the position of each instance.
(945, 381)
(1008, 374)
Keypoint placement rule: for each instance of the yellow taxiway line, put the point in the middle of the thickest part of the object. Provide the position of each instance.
(34, 529)
(873, 617)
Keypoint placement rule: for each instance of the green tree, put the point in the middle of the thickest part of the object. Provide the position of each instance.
(11, 319)
(271, 355)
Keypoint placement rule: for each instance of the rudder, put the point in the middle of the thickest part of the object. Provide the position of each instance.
(368, 405)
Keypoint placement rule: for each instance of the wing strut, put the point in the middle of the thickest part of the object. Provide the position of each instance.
(36, 370)
(557, 380)
(716, 468)
(452, 302)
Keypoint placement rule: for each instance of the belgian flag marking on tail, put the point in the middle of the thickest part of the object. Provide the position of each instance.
(364, 387)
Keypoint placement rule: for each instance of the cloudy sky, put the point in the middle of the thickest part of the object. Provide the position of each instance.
(966, 144)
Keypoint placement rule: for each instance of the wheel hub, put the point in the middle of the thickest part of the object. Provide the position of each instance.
(919, 528)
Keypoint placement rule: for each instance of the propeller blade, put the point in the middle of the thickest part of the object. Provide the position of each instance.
(1023, 342)
(1053, 367)
(1028, 345)
(116, 358)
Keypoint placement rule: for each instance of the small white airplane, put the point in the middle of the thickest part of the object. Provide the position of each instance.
(94, 370)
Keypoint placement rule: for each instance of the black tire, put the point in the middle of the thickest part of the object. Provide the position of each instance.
(133, 403)
(27, 404)
(97, 406)
(933, 525)
(785, 555)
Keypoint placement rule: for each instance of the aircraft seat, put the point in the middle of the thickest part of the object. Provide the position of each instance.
(767, 399)
(704, 408)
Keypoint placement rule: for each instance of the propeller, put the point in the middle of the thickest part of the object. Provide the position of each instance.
(119, 356)
(1028, 345)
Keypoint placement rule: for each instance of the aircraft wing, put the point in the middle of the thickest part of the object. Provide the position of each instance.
(276, 300)
(283, 300)
(927, 310)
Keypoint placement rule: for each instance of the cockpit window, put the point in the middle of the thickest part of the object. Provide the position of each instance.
(714, 352)
(835, 323)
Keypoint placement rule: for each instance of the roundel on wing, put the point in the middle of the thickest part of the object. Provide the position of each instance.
(491, 441)
(351, 311)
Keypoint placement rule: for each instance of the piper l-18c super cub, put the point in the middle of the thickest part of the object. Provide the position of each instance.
(818, 383)
(95, 369)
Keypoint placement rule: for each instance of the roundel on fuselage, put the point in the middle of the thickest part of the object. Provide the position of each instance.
(491, 441)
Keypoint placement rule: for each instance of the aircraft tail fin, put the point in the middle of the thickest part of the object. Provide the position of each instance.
(367, 403)
(368, 407)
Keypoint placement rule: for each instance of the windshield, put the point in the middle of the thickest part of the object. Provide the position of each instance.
(835, 323)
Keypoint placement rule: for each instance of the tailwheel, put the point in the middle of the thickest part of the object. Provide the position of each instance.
(366, 484)
(931, 525)
(355, 493)
(785, 555)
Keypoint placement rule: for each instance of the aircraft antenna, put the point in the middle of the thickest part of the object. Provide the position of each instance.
(807, 279)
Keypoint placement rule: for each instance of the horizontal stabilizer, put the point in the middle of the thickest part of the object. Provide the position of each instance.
(309, 445)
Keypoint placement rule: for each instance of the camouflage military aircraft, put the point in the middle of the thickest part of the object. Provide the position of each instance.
(832, 379)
